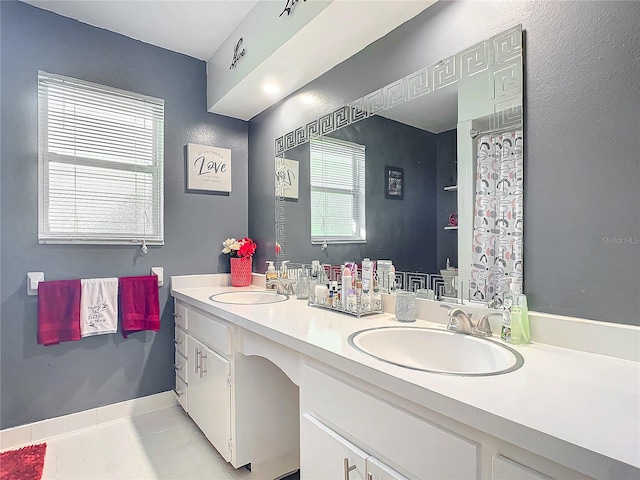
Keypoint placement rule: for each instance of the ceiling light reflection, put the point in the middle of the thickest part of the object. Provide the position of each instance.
(270, 88)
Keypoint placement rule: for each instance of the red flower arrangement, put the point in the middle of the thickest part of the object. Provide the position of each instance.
(244, 247)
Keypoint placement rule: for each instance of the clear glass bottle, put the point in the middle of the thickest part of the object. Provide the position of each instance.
(383, 270)
(376, 298)
(507, 303)
(313, 283)
(350, 302)
(303, 286)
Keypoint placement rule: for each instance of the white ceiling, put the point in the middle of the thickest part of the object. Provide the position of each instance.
(436, 113)
(199, 27)
(194, 28)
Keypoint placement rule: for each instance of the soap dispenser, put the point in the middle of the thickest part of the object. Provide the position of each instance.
(284, 273)
(519, 315)
(270, 274)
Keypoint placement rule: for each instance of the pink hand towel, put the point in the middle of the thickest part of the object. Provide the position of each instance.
(58, 311)
(139, 304)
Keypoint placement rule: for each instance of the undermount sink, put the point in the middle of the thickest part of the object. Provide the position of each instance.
(248, 297)
(437, 351)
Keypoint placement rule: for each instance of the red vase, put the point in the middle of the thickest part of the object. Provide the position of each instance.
(241, 271)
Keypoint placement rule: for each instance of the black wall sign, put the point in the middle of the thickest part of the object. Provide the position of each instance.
(288, 8)
(237, 54)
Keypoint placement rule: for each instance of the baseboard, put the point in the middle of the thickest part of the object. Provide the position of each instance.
(40, 431)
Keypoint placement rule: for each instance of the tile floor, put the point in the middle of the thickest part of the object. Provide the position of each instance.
(161, 445)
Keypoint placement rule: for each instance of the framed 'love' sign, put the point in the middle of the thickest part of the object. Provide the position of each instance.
(208, 168)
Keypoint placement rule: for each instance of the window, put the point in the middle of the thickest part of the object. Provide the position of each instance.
(337, 191)
(100, 154)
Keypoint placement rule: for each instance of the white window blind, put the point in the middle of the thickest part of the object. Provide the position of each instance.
(337, 191)
(100, 154)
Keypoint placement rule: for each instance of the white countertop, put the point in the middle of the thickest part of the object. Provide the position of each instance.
(560, 403)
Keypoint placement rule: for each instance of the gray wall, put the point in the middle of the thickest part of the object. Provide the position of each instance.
(39, 382)
(582, 167)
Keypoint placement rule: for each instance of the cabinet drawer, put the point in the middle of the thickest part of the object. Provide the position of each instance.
(505, 469)
(209, 331)
(179, 313)
(181, 393)
(180, 366)
(426, 450)
(180, 340)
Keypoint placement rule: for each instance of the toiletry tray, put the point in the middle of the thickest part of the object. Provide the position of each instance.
(358, 310)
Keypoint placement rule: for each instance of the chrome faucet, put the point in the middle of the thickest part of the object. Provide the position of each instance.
(280, 286)
(461, 322)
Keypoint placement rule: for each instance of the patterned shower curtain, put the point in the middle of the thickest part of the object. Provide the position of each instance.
(497, 224)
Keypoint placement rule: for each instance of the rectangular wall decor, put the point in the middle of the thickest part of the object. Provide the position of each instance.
(208, 168)
(287, 177)
(394, 182)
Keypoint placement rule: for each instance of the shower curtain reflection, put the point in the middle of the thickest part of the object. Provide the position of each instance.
(498, 216)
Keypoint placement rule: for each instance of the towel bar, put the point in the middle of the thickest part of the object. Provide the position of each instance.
(34, 278)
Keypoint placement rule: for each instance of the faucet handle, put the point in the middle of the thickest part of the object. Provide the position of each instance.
(483, 327)
(494, 303)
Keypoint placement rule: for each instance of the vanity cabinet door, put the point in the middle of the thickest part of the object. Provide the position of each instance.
(209, 399)
(326, 455)
(422, 449)
(376, 470)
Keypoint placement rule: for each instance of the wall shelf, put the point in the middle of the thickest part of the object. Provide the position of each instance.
(451, 188)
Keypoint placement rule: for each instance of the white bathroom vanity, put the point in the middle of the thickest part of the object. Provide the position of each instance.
(279, 387)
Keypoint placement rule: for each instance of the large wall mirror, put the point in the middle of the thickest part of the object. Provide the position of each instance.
(426, 171)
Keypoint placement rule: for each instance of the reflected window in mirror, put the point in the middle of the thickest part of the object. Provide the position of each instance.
(337, 182)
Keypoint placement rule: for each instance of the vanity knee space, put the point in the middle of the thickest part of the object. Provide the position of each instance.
(238, 402)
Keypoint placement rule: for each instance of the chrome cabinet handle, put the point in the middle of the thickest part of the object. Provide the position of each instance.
(347, 468)
(177, 342)
(197, 362)
(369, 476)
(203, 370)
(178, 392)
(176, 315)
(177, 367)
